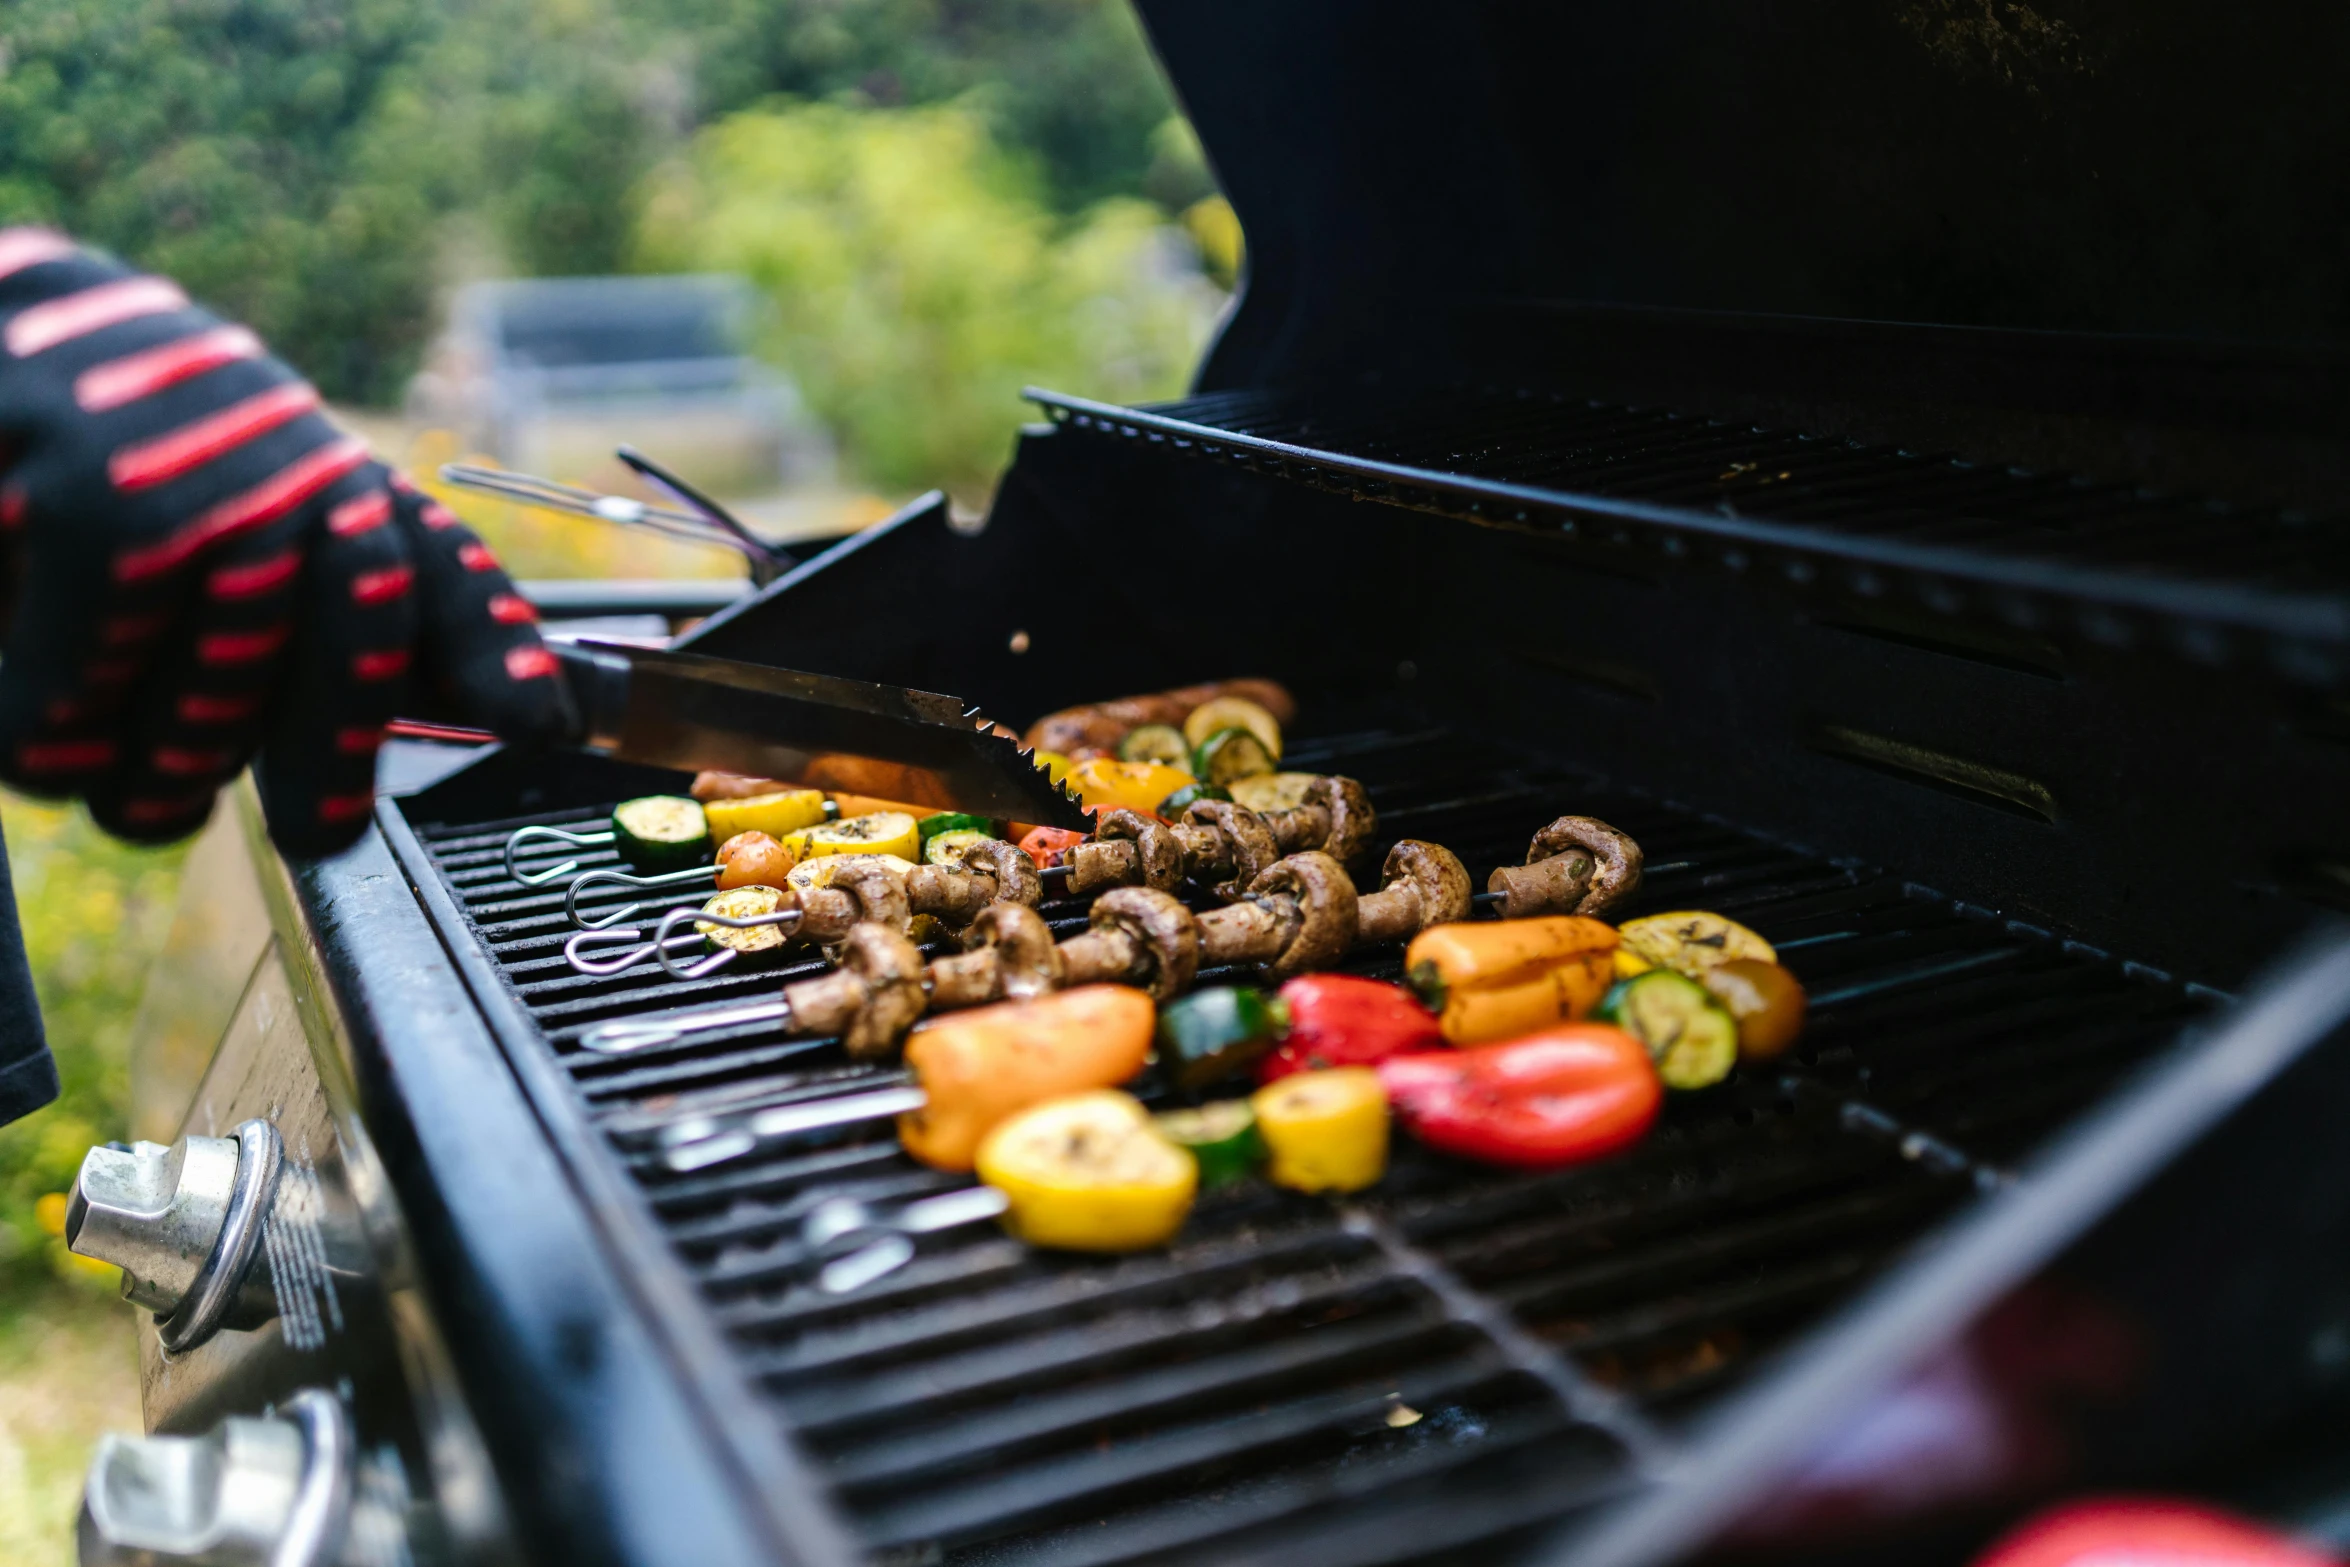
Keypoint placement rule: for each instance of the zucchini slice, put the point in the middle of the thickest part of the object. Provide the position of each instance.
(1274, 791)
(741, 904)
(776, 814)
(1161, 743)
(954, 821)
(946, 848)
(876, 832)
(1229, 755)
(661, 832)
(1233, 712)
(1692, 1040)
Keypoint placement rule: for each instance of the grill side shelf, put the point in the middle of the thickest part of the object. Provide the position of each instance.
(1342, 1379)
(2017, 551)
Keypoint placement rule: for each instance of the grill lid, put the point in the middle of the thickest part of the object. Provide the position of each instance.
(2130, 177)
(2065, 166)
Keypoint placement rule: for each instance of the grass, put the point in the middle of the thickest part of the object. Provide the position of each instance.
(68, 1372)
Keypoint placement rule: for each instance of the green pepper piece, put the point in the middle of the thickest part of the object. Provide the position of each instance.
(1172, 806)
(1213, 1033)
(1222, 1136)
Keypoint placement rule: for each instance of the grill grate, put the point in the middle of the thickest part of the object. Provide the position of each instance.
(1457, 1355)
(1817, 506)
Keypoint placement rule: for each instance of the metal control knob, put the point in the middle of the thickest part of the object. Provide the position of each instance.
(183, 1223)
(269, 1492)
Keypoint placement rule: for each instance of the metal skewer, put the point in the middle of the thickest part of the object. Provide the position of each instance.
(707, 1140)
(590, 838)
(845, 1217)
(681, 878)
(850, 1243)
(663, 939)
(575, 951)
(632, 1034)
(626, 1036)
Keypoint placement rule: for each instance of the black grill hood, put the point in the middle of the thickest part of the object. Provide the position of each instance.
(2096, 236)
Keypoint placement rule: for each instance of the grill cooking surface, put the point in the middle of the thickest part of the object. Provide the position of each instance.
(1448, 1361)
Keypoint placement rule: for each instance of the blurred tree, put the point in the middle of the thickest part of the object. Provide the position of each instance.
(296, 162)
(536, 118)
(214, 140)
(918, 276)
(1070, 81)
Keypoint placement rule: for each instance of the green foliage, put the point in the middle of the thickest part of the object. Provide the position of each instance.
(94, 912)
(918, 276)
(295, 162)
(535, 118)
(1069, 81)
(211, 140)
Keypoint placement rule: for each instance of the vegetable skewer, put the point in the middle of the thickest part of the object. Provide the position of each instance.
(1217, 839)
(1299, 913)
(968, 1073)
(1303, 912)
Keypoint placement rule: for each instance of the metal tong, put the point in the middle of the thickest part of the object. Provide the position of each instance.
(706, 522)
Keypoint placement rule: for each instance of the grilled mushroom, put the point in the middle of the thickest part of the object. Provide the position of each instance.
(1422, 884)
(1247, 840)
(1326, 905)
(1576, 865)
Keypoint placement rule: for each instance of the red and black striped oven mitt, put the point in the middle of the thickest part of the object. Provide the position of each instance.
(198, 569)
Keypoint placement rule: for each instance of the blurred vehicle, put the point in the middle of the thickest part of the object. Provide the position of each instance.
(550, 374)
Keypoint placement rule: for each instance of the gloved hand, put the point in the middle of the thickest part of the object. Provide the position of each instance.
(196, 568)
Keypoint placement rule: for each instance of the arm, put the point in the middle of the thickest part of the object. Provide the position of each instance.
(199, 571)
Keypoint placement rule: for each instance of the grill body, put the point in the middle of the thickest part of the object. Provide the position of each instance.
(1463, 1364)
(2020, 1109)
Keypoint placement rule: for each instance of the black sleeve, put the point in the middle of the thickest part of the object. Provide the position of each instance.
(28, 1077)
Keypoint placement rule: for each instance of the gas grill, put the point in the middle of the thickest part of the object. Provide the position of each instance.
(1994, 666)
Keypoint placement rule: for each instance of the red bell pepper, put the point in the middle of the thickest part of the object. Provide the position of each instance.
(1338, 1020)
(1569, 1093)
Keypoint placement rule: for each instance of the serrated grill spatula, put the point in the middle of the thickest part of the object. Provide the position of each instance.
(693, 712)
